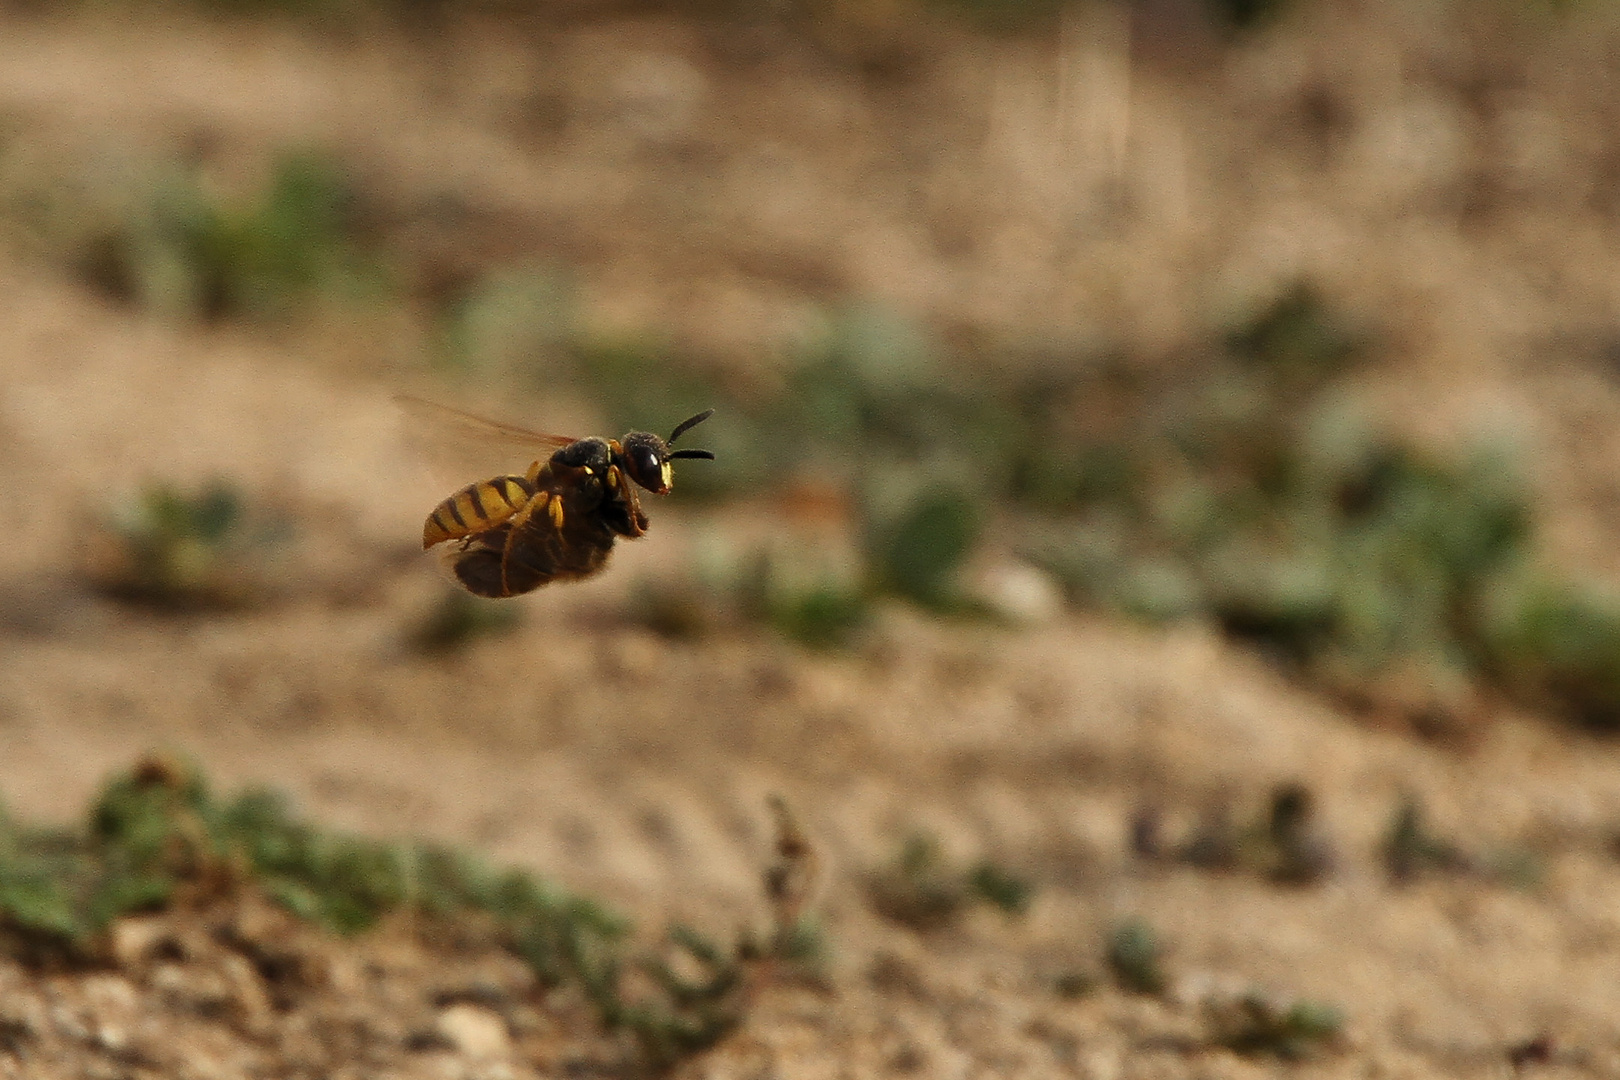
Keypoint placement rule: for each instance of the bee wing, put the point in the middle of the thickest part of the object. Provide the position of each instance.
(452, 447)
(434, 414)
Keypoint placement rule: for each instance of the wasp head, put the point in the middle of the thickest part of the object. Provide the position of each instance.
(647, 457)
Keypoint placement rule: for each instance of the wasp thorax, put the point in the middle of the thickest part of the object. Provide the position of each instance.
(646, 459)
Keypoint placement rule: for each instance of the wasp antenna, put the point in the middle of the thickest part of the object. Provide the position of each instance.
(686, 425)
(706, 455)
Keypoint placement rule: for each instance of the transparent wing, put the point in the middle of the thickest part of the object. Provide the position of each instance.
(451, 448)
(430, 415)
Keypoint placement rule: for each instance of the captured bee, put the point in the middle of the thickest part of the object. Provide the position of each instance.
(512, 534)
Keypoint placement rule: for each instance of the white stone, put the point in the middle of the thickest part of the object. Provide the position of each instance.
(134, 938)
(475, 1032)
(1017, 591)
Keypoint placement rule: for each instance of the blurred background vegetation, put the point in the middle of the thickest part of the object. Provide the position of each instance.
(1250, 495)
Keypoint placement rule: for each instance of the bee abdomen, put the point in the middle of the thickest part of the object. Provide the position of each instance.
(476, 508)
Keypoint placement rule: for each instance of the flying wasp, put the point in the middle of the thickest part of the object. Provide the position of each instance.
(512, 534)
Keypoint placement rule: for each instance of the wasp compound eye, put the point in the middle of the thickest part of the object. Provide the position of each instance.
(646, 466)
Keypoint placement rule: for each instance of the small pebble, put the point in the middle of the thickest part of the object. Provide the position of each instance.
(475, 1032)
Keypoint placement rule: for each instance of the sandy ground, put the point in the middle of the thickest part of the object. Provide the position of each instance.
(636, 768)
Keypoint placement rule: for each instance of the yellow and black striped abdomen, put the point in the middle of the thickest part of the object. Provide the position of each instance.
(476, 508)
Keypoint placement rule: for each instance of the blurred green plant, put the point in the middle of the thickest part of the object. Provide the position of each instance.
(918, 891)
(804, 945)
(176, 549)
(1074, 984)
(1296, 337)
(456, 619)
(183, 250)
(1557, 644)
(1060, 476)
(1411, 851)
(1136, 958)
(512, 320)
(1254, 1025)
(821, 617)
(924, 891)
(676, 609)
(157, 836)
(56, 893)
(918, 553)
(1291, 846)
(1286, 843)
(810, 589)
(1000, 888)
(59, 888)
(1371, 565)
(1264, 505)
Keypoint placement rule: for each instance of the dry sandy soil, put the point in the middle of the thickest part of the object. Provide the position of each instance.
(1455, 184)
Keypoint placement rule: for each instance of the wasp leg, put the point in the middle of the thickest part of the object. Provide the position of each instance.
(519, 519)
(557, 514)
